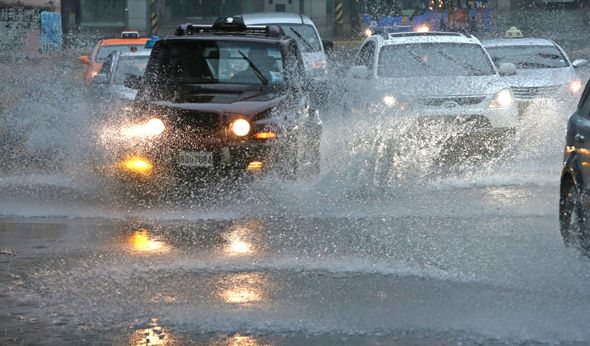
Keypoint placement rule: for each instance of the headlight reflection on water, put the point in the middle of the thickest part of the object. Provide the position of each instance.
(244, 288)
(240, 340)
(152, 336)
(142, 242)
(239, 238)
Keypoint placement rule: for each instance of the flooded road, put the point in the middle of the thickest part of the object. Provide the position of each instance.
(494, 272)
(387, 246)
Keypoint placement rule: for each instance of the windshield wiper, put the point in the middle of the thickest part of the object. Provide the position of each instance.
(255, 69)
(419, 59)
(303, 39)
(462, 63)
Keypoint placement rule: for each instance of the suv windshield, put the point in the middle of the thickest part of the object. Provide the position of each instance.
(229, 62)
(528, 57)
(433, 59)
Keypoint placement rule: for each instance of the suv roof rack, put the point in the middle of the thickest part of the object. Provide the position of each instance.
(224, 25)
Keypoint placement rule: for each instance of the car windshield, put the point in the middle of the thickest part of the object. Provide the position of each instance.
(528, 57)
(104, 51)
(305, 35)
(229, 62)
(130, 65)
(433, 59)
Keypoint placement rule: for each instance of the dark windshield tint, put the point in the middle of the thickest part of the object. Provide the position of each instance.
(528, 57)
(220, 62)
(433, 59)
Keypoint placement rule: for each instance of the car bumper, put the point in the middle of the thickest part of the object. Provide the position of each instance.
(160, 162)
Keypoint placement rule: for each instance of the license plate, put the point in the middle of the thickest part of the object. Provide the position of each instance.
(196, 159)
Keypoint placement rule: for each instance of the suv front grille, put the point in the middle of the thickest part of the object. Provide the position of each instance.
(461, 101)
(199, 124)
(529, 93)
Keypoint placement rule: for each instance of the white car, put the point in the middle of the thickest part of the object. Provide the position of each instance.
(109, 82)
(543, 68)
(435, 77)
(304, 31)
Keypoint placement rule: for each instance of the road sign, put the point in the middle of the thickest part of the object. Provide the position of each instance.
(51, 36)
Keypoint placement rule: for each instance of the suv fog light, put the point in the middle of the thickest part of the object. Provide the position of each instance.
(501, 99)
(241, 127)
(137, 165)
(255, 166)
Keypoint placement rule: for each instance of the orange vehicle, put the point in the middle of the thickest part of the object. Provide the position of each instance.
(106, 47)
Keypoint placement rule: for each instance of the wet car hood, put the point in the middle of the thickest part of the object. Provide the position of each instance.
(443, 86)
(248, 103)
(541, 77)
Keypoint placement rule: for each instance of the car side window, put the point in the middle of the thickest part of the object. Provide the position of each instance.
(106, 66)
(366, 56)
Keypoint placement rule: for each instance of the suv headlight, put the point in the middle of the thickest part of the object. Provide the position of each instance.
(395, 102)
(240, 127)
(502, 99)
(150, 129)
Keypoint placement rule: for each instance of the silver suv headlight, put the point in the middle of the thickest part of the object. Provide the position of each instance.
(502, 98)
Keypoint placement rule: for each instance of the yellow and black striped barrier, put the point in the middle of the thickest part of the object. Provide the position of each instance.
(339, 13)
(154, 27)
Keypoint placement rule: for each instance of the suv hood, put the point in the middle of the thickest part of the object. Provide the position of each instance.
(443, 86)
(248, 103)
(247, 106)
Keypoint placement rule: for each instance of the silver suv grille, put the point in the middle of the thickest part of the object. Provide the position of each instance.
(530, 93)
(439, 101)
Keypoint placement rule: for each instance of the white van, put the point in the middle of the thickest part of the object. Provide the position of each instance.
(302, 29)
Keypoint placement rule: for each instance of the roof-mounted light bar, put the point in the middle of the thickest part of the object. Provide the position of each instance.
(229, 25)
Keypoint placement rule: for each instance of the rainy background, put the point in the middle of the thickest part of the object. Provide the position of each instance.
(388, 245)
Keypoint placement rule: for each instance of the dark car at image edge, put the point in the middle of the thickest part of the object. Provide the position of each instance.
(574, 201)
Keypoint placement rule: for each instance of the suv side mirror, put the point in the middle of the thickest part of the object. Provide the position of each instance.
(84, 59)
(100, 78)
(359, 72)
(507, 69)
(328, 46)
(132, 81)
(579, 62)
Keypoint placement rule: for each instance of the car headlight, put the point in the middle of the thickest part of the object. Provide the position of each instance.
(152, 128)
(240, 127)
(501, 99)
(575, 86)
(390, 101)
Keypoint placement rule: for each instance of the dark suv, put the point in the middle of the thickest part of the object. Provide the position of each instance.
(219, 98)
(574, 202)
